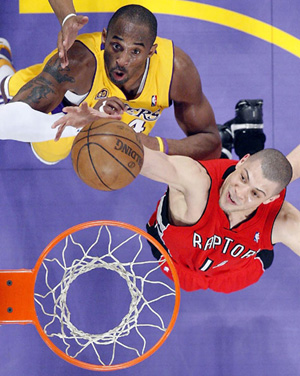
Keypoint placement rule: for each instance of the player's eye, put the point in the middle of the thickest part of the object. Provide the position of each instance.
(116, 47)
(136, 51)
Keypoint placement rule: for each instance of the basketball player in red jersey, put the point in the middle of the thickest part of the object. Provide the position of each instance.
(219, 219)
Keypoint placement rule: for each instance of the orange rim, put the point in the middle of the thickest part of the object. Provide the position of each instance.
(130, 363)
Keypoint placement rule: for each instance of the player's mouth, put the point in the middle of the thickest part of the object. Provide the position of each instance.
(118, 75)
(231, 199)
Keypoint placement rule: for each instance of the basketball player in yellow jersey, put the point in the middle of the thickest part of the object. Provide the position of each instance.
(141, 111)
(136, 75)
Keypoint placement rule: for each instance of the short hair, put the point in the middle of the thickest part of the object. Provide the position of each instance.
(136, 14)
(275, 167)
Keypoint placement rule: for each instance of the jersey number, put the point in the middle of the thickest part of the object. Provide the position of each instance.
(137, 125)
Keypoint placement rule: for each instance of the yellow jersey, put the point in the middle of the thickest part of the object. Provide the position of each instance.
(141, 113)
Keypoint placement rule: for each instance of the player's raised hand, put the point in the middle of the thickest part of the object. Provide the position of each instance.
(78, 117)
(67, 36)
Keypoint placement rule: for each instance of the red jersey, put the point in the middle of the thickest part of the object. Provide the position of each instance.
(210, 254)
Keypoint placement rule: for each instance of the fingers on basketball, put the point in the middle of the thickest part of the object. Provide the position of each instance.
(107, 154)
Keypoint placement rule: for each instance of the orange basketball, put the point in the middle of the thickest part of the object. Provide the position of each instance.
(107, 154)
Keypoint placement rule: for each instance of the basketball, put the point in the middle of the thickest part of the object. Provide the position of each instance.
(107, 154)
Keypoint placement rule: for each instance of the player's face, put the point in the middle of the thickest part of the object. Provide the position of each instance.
(127, 46)
(246, 188)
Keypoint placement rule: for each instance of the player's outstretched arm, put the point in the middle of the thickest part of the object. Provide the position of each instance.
(193, 112)
(176, 171)
(70, 25)
(19, 122)
(188, 183)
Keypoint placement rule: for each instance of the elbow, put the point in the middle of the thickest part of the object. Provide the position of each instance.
(203, 148)
(216, 147)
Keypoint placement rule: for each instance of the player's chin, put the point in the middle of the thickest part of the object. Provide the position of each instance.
(226, 206)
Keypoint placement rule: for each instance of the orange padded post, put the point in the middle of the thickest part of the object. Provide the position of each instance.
(16, 296)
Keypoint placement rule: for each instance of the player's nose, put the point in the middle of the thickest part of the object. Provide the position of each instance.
(123, 59)
(242, 192)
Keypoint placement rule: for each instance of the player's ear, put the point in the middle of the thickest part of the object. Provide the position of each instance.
(243, 160)
(271, 199)
(104, 35)
(152, 50)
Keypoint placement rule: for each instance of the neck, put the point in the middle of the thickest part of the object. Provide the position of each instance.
(136, 88)
(237, 218)
(129, 93)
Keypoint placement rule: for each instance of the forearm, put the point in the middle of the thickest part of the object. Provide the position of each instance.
(20, 122)
(62, 8)
(36, 103)
(157, 166)
(200, 146)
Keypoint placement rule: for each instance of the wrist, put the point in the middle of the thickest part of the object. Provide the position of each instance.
(67, 17)
(163, 145)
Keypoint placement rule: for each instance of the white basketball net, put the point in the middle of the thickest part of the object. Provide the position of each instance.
(75, 341)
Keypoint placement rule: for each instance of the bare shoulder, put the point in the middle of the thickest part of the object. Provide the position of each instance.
(82, 66)
(188, 200)
(287, 224)
(190, 179)
(190, 170)
(188, 183)
(186, 81)
(80, 57)
(181, 59)
(179, 172)
(287, 214)
(80, 54)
